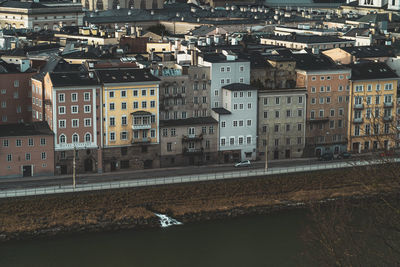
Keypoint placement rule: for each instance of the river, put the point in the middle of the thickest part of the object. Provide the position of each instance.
(263, 240)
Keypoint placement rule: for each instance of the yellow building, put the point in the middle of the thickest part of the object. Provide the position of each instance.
(372, 107)
(130, 118)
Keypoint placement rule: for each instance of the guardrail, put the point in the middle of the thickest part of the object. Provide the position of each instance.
(185, 178)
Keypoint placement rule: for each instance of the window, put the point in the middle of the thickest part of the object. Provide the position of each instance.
(299, 140)
(222, 81)
(369, 100)
(328, 99)
(88, 122)
(277, 100)
(173, 132)
(16, 83)
(241, 123)
(321, 100)
(248, 122)
(300, 100)
(332, 112)
(61, 110)
(357, 130)
(211, 130)
(74, 97)
(266, 101)
(248, 105)
(228, 81)
(223, 124)
(313, 100)
(340, 88)
(123, 120)
(340, 99)
(75, 123)
(378, 87)
(265, 114)
(313, 89)
(43, 155)
(27, 156)
(277, 114)
(124, 135)
(86, 96)
(135, 92)
(377, 99)
(235, 124)
(322, 78)
(61, 123)
(18, 142)
(135, 105)
(328, 88)
(287, 127)
(223, 140)
(321, 113)
(112, 136)
(63, 139)
(144, 104)
(30, 142)
(313, 78)
(123, 105)
(276, 128)
(204, 99)
(240, 140)
(241, 68)
(74, 109)
(248, 140)
(276, 142)
(165, 132)
(359, 88)
(87, 108)
(322, 89)
(331, 124)
(112, 121)
(112, 106)
(299, 127)
(111, 94)
(369, 87)
(222, 69)
(61, 98)
(5, 143)
(9, 157)
(312, 114)
(241, 80)
(388, 86)
(288, 113)
(169, 146)
(232, 141)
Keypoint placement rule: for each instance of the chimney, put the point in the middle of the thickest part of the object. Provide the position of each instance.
(194, 58)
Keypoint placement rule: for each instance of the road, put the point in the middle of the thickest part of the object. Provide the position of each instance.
(35, 182)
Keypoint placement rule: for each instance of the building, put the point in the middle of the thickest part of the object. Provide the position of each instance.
(281, 123)
(15, 92)
(94, 5)
(72, 108)
(237, 118)
(299, 42)
(372, 109)
(225, 68)
(37, 16)
(191, 141)
(328, 91)
(131, 135)
(26, 150)
(348, 55)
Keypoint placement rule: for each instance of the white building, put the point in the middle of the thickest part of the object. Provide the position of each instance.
(237, 122)
(373, 3)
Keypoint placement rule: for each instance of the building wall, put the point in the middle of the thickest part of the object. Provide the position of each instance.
(112, 4)
(38, 105)
(15, 97)
(299, 46)
(14, 168)
(185, 149)
(273, 131)
(327, 132)
(362, 139)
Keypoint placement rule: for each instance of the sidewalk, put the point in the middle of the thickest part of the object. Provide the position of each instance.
(116, 173)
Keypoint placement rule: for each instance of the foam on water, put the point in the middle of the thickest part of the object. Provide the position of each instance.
(166, 221)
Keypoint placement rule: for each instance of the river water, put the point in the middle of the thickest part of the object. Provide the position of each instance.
(263, 240)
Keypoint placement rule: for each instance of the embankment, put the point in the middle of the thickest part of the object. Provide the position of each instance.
(30, 217)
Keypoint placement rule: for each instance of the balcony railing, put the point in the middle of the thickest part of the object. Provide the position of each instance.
(358, 106)
(192, 137)
(387, 118)
(192, 150)
(358, 120)
(141, 126)
(388, 104)
(140, 140)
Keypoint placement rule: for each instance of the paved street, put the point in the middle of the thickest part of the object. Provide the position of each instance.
(31, 182)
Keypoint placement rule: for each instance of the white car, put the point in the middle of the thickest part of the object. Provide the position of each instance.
(244, 163)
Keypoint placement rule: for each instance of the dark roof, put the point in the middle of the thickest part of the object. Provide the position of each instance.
(239, 87)
(202, 30)
(20, 4)
(222, 111)
(189, 121)
(377, 17)
(306, 61)
(23, 129)
(357, 32)
(370, 51)
(308, 39)
(61, 79)
(218, 58)
(257, 60)
(370, 70)
(8, 68)
(126, 76)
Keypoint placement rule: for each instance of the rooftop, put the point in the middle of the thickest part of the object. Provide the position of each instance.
(370, 70)
(308, 39)
(306, 61)
(189, 121)
(23, 129)
(370, 51)
(221, 111)
(126, 76)
(61, 79)
(239, 87)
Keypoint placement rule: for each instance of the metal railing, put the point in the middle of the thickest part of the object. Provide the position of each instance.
(185, 178)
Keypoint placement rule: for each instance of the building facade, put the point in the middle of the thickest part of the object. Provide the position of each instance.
(26, 150)
(281, 123)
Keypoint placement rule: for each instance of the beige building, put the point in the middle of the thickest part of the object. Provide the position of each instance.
(281, 123)
(192, 141)
(37, 16)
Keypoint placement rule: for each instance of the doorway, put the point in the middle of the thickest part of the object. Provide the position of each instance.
(88, 165)
(276, 154)
(113, 166)
(27, 170)
(287, 153)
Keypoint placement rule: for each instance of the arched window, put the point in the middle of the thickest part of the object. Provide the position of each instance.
(63, 139)
(115, 4)
(88, 137)
(75, 138)
(99, 5)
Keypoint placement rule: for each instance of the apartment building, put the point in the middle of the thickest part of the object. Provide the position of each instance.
(237, 120)
(225, 68)
(328, 90)
(26, 150)
(191, 141)
(372, 109)
(72, 109)
(281, 123)
(15, 93)
(131, 135)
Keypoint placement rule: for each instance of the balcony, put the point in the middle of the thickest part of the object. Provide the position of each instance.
(141, 126)
(192, 151)
(358, 120)
(358, 106)
(318, 120)
(141, 120)
(387, 118)
(388, 104)
(192, 137)
(141, 140)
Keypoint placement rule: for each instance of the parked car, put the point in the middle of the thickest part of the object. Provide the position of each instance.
(244, 163)
(344, 155)
(326, 156)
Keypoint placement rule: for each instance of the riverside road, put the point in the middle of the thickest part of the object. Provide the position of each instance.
(62, 180)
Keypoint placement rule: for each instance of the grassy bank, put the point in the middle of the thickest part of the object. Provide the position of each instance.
(130, 208)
